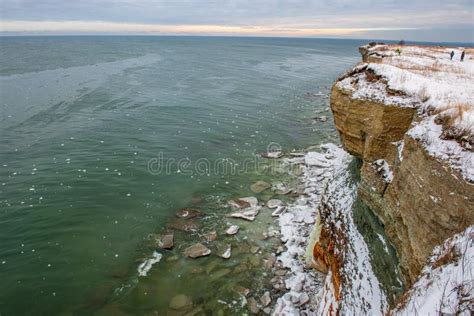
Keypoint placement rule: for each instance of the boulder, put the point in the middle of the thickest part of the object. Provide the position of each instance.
(211, 236)
(253, 307)
(184, 225)
(167, 241)
(260, 186)
(243, 203)
(248, 214)
(274, 203)
(272, 155)
(232, 230)
(181, 302)
(226, 253)
(189, 213)
(265, 299)
(196, 251)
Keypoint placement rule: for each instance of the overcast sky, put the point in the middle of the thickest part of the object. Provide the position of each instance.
(430, 20)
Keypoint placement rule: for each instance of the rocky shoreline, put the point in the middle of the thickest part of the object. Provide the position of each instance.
(292, 284)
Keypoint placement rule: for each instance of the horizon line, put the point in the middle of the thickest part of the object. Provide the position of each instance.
(45, 34)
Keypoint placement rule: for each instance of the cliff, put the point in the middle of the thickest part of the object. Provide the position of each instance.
(408, 114)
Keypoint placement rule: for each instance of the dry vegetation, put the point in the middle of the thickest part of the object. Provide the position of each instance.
(426, 70)
(447, 118)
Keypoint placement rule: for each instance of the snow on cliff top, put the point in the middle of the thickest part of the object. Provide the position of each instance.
(427, 79)
(428, 73)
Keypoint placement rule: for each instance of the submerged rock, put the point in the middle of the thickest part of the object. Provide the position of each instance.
(189, 213)
(167, 241)
(248, 214)
(196, 251)
(274, 203)
(253, 307)
(180, 302)
(184, 225)
(254, 249)
(280, 188)
(254, 261)
(266, 299)
(238, 204)
(260, 186)
(211, 236)
(241, 290)
(269, 261)
(232, 230)
(244, 202)
(220, 274)
(226, 253)
(272, 154)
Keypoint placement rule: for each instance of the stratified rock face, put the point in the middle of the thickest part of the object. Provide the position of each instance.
(420, 199)
(425, 203)
(368, 129)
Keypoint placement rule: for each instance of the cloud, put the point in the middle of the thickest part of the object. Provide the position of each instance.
(112, 27)
(242, 17)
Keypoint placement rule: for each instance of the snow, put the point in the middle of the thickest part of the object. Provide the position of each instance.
(383, 169)
(326, 177)
(427, 73)
(428, 133)
(446, 285)
(361, 88)
(146, 265)
(427, 79)
(361, 293)
(296, 226)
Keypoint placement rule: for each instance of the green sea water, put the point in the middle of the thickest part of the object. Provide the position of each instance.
(82, 119)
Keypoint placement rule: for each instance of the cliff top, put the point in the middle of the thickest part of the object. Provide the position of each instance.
(438, 85)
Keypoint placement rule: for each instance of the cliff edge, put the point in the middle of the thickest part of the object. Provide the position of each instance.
(407, 115)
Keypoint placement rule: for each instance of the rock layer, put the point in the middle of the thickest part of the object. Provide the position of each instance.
(424, 200)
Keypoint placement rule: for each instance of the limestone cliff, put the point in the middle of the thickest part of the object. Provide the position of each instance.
(421, 197)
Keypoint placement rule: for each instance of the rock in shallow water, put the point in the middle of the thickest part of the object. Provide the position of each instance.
(260, 186)
(181, 301)
(232, 230)
(253, 307)
(196, 251)
(189, 213)
(184, 225)
(241, 290)
(167, 241)
(274, 203)
(248, 214)
(272, 154)
(243, 203)
(211, 236)
(226, 253)
(266, 299)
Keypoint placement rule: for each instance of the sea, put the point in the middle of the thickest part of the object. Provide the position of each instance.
(104, 138)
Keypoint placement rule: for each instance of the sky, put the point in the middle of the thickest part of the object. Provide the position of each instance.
(422, 20)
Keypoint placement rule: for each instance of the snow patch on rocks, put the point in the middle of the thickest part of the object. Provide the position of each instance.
(361, 292)
(428, 133)
(446, 284)
(307, 293)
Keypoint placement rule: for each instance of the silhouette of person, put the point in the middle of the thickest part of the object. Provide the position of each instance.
(452, 54)
(462, 55)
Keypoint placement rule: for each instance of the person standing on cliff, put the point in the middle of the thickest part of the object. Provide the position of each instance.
(452, 54)
(462, 55)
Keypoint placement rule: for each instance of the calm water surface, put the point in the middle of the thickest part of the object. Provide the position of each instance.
(80, 119)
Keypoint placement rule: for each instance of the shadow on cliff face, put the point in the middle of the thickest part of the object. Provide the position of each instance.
(382, 254)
